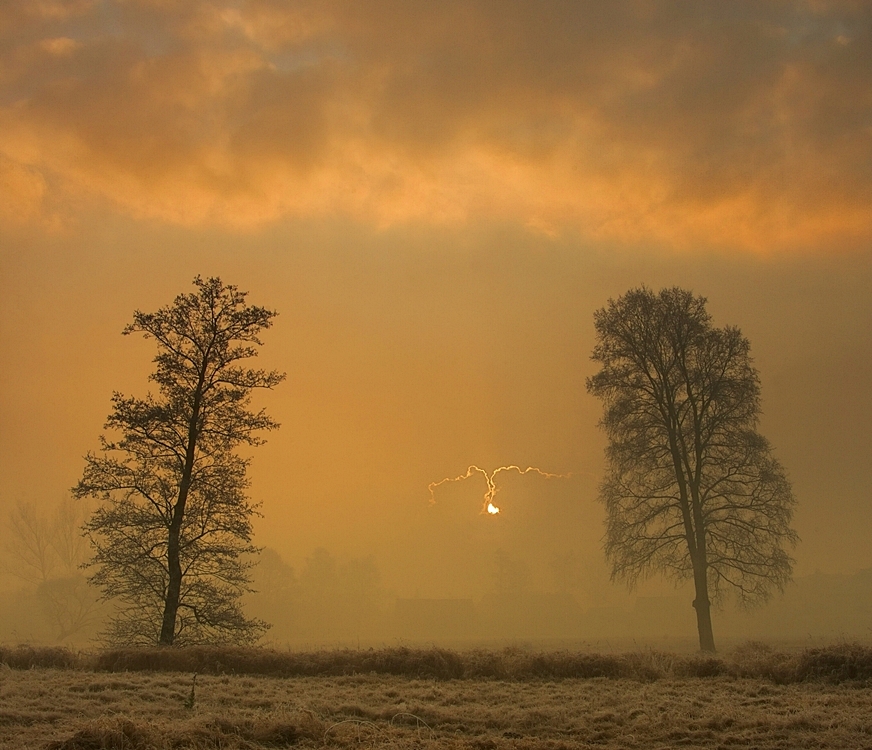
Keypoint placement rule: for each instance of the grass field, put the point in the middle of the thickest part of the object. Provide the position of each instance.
(754, 698)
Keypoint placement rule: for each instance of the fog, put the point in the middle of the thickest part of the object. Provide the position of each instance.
(404, 368)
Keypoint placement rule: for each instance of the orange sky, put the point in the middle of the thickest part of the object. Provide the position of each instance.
(436, 197)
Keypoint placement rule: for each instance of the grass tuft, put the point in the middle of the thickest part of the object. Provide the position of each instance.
(757, 659)
(109, 734)
(840, 663)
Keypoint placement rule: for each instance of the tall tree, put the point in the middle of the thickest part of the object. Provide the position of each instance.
(174, 524)
(691, 488)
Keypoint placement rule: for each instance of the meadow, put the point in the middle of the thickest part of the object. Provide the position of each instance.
(754, 697)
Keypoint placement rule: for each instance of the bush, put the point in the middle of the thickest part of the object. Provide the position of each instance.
(26, 657)
(846, 661)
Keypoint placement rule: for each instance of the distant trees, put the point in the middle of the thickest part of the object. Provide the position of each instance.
(45, 548)
(331, 600)
(338, 599)
(172, 534)
(691, 488)
(511, 576)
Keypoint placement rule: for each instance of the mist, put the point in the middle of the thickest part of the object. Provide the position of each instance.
(407, 364)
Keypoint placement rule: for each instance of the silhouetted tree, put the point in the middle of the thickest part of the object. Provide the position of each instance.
(174, 525)
(691, 488)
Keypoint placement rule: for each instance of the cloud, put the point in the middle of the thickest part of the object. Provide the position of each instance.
(23, 191)
(742, 125)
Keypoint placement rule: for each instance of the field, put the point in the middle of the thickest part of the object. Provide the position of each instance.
(754, 698)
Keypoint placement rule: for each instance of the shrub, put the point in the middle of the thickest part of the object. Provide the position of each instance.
(845, 661)
(26, 657)
(760, 660)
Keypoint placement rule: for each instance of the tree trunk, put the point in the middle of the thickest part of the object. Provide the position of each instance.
(702, 605)
(174, 563)
(174, 566)
(174, 588)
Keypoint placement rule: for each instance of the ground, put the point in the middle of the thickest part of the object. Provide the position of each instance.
(69, 708)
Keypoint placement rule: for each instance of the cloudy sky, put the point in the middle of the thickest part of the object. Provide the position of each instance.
(436, 197)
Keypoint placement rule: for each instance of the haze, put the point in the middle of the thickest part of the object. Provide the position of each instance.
(436, 198)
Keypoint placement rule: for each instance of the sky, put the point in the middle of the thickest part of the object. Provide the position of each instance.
(436, 197)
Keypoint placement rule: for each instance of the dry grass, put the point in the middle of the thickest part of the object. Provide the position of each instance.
(845, 661)
(756, 698)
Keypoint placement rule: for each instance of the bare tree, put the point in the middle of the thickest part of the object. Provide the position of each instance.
(173, 531)
(47, 550)
(691, 488)
(30, 544)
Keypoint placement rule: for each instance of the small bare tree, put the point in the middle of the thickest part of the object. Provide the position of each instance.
(172, 535)
(691, 488)
(47, 550)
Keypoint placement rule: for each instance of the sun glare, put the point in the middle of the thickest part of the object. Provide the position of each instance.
(488, 507)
